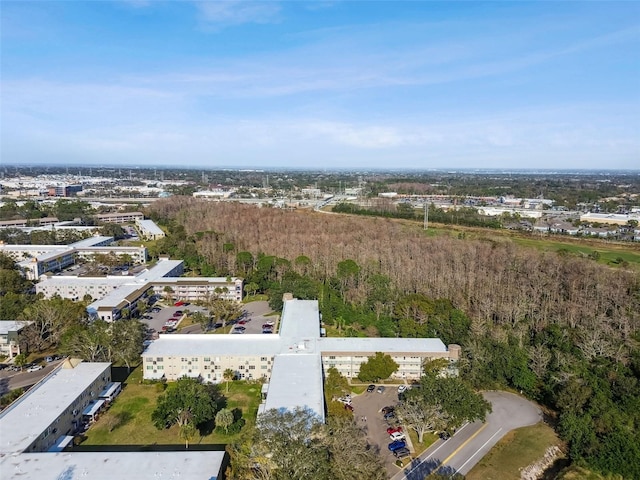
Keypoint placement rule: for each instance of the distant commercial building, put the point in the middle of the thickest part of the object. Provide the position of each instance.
(214, 194)
(10, 337)
(610, 218)
(64, 190)
(292, 360)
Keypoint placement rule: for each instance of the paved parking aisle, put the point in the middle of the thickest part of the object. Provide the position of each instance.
(368, 406)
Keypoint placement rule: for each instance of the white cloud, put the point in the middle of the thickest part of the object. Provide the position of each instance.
(237, 12)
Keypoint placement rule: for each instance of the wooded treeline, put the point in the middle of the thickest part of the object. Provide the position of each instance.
(564, 330)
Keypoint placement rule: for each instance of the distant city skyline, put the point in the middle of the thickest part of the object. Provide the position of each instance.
(321, 85)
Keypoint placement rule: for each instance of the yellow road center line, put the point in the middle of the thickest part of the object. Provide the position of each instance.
(455, 452)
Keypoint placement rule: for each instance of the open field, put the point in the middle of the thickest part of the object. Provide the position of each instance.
(136, 403)
(518, 449)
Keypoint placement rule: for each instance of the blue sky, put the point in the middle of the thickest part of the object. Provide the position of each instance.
(321, 84)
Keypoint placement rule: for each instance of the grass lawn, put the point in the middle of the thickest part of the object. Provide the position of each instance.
(609, 253)
(427, 440)
(136, 403)
(518, 449)
(260, 297)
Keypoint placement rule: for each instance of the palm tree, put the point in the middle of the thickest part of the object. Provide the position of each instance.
(228, 374)
(187, 432)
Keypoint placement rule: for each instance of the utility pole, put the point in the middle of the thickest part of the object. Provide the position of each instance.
(426, 214)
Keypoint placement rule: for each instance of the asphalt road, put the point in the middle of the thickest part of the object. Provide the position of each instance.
(12, 380)
(461, 452)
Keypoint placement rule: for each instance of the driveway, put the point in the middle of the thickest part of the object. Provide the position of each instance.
(464, 450)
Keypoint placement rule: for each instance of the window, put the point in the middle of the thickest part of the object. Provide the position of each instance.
(159, 359)
(207, 359)
(252, 367)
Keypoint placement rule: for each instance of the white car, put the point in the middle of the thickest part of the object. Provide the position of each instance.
(397, 436)
(35, 368)
(402, 388)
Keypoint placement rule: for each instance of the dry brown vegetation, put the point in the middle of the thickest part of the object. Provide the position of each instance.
(496, 283)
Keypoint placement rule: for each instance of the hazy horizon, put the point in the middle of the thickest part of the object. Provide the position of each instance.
(322, 85)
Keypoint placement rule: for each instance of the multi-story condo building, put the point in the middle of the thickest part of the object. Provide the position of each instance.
(120, 217)
(10, 333)
(37, 432)
(292, 361)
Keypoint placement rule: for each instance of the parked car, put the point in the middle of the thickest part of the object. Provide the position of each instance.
(396, 436)
(402, 452)
(242, 322)
(34, 368)
(402, 388)
(240, 328)
(236, 332)
(348, 406)
(386, 410)
(397, 445)
(392, 430)
(389, 416)
(381, 389)
(266, 330)
(444, 436)
(178, 304)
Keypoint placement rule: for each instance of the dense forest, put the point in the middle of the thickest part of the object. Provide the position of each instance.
(561, 329)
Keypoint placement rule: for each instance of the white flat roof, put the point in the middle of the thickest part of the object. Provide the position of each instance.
(296, 381)
(25, 420)
(150, 226)
(300, 319)
(91, 241)
(7, 326)
(184, 464)
(202, 344)
(386, 345)
(113, 281)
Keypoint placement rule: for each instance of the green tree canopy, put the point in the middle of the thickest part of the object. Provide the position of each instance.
(441, 403)
(378, 367)
(200, 400)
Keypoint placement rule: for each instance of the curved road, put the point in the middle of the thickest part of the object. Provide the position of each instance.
(461, 452)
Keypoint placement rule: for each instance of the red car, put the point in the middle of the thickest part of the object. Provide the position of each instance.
(178, 304)
(392, 430)
(348, 406)
(242, 322)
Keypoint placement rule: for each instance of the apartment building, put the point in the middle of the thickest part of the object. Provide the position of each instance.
(120, 217)
(292, 361)
(37, 427)
(149, 230)
(10, 337)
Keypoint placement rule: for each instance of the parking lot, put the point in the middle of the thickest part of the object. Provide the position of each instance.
(252, 320)
(255, 317)
(367, 412)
